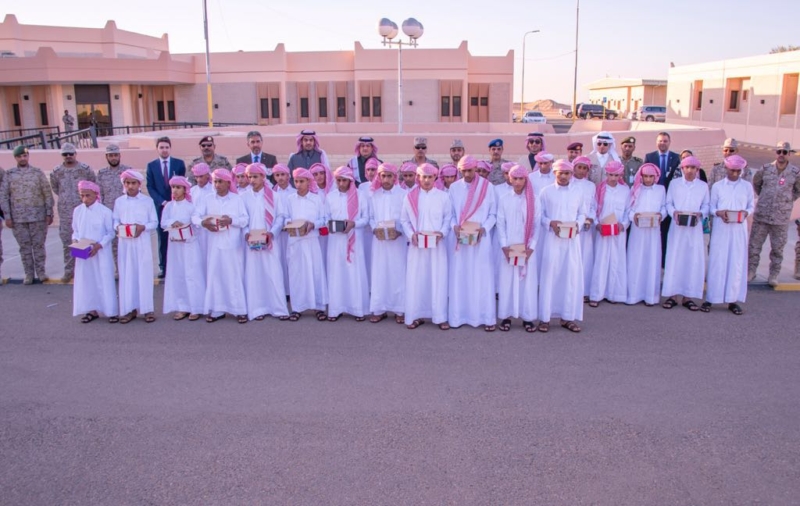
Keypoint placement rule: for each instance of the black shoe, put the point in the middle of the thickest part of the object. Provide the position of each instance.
(161, 275)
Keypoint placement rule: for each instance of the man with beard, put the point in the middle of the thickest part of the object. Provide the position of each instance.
(456, 151)
(308, 152)
(364, 150)
(209, 156)
(108, 179)
(535, 145)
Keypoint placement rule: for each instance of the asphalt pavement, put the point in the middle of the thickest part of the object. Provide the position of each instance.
(645, 406)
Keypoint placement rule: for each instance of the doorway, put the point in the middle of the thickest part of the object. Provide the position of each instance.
(93, 104)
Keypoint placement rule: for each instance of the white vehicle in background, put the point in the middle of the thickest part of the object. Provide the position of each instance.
(534, 117)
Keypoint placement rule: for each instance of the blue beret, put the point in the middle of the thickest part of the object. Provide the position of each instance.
(497, 143)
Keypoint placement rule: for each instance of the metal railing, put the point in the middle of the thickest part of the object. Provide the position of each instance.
(84, 139)
(36, 140)
(25, 132)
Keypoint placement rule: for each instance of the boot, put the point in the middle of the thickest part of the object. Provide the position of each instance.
(797, 268)
(751, 275)
(28, 280)
(773, 280)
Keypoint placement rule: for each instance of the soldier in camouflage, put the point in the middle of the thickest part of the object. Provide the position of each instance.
(630, 163)
(64, 181)
(496, 174)
(777, 186)
(209, 157)
(2, 219)
(27, 204)
(108, 178)
(718, 172)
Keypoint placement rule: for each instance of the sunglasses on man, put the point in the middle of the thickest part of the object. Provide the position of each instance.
(782, 152)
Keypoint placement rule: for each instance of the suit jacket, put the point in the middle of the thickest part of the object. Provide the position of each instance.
(267, 159)
(159, 189)
(673, 161)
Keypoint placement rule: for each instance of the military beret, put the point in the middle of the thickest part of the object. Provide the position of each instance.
(112, 148)
(497, 143)
(20, 150)
(629, 140)
(207, 138)
(575, 146)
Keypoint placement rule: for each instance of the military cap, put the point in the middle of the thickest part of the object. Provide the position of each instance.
(207, 138)
(575, 146)
(20, 150)
(457, 144)
(68, 148)
(784, 145)
(629, 140)
(496, 143)
(730, 142)
(420, 141)
(112, 148)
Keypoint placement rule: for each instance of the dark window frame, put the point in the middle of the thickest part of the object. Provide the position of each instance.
(304, 107)
(323, 106)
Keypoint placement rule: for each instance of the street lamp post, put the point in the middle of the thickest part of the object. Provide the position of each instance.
(522, 102)
(388, 30)
(575, 79)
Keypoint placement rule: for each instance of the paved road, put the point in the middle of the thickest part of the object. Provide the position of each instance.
(646, 406)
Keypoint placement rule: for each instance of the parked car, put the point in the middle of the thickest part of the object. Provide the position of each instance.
(534, 117)
(650, 113)
(589, 111)
(567, 113)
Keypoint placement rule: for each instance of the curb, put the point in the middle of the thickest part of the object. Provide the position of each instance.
(16, 281)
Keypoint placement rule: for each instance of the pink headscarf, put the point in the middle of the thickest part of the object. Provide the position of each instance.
(352, 207)
(447, 170)
(582, 160)
(200, 169)
(406, 167)
(483, 164)
(530, 203)
(131, 174)
(562, 166)
(280, 168)
(301, 173)
(691, 161)
(384, 167)
(735, 162)
(181, 181)
(544, 156)
(467, 162)
(372, 162)
(89, 185)
(425, 169)
(269, 196)
(647, 169)
(225, 175)
(318, 167)
(612, 167)
(239, 169)
(507, 166)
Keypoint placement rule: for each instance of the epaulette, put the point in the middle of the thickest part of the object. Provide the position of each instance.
(637, 159)
(84, 165)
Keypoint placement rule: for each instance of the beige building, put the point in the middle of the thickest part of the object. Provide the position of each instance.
(754, 98)
(121, 78)
(627, 95)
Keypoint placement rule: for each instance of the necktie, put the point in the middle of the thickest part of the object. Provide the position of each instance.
(663, 163)
(255, 158)
(166, 171)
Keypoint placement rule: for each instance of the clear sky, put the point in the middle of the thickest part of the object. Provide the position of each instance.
(618, 38)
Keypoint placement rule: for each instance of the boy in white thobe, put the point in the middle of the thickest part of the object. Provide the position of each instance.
(94, 290)
(389, 254)
(348, 286)
(308, 286)
(136, 213)
(204, 186)
(644, 243)
(426, 218)
(185, 283)
(580, 178)
(282, 190)
(561, 281)
(731, 204)
(609, 274)
(518, 219)
(224, 216)
(684, 270)
(364, 192)
(541, 178)
(471, 277)
(263, 280)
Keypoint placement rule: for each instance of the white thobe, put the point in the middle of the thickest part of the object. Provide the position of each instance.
(561, 272)
(94, 288)
(540, 181)
(518, 289)
(197, 194)
(135, 255)
(185, 283)
(263, 269)
(225, 264)
(684, 269)
(500, 191)
(308, 286)
(727, 263)
(323, 236)
(644, 247)
(348, 286)
(609, 274)
(588, 189)
(282, 239)
(472, 284)
(426, 270)
(388, 280)
(364, 194)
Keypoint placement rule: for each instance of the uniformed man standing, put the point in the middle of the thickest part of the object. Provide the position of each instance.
(108, 178)
(2, 219)
(777, 185)
(64, 181)
(27, 204)
(718, 172)
(496, 174)
(456, 150)
(630, 163)
(209, 157)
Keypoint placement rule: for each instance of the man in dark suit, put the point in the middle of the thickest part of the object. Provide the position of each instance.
(159, 172)
(254, 143)
(668, 162)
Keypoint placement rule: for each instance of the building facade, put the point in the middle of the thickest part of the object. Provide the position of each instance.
(114, 77)
(627, 95)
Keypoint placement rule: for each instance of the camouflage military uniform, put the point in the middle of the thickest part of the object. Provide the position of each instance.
(496, 175)
(2, 175)
(776, 195)
(64, 182)
(110, 188)
(631, 166)
(219, 162)
(718, 173)
(27, 201)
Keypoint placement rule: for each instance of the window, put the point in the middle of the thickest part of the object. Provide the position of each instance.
(445, 106)
(734, 103)
(304, 107)
(376, 107)
(264, 108)
(276, 108)
(473, 101)
(457, 106)
(789, 94)
(698, 95)
(365, 107)
(17, 116)
(735, 87)
(484, 101)
(341, 107)
(171, 110)
(323, 107)
(43, 113)
(160, 111)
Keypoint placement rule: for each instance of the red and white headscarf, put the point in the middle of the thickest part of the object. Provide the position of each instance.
(301, 173)
(225, 175)
(352, 207)
(239, 169)
(366, 140)
(425, 169)
(89, 185)
(384, 167)
(269, 195)
(446, 170)
(530, 207)
(612, 167)
(200, 169)
(182, 181)
(279, 168)
(131, 174)
(543, 157)
(584, 160)
(406, 167)
(317, 168)
(647, 169)
(735, 162)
